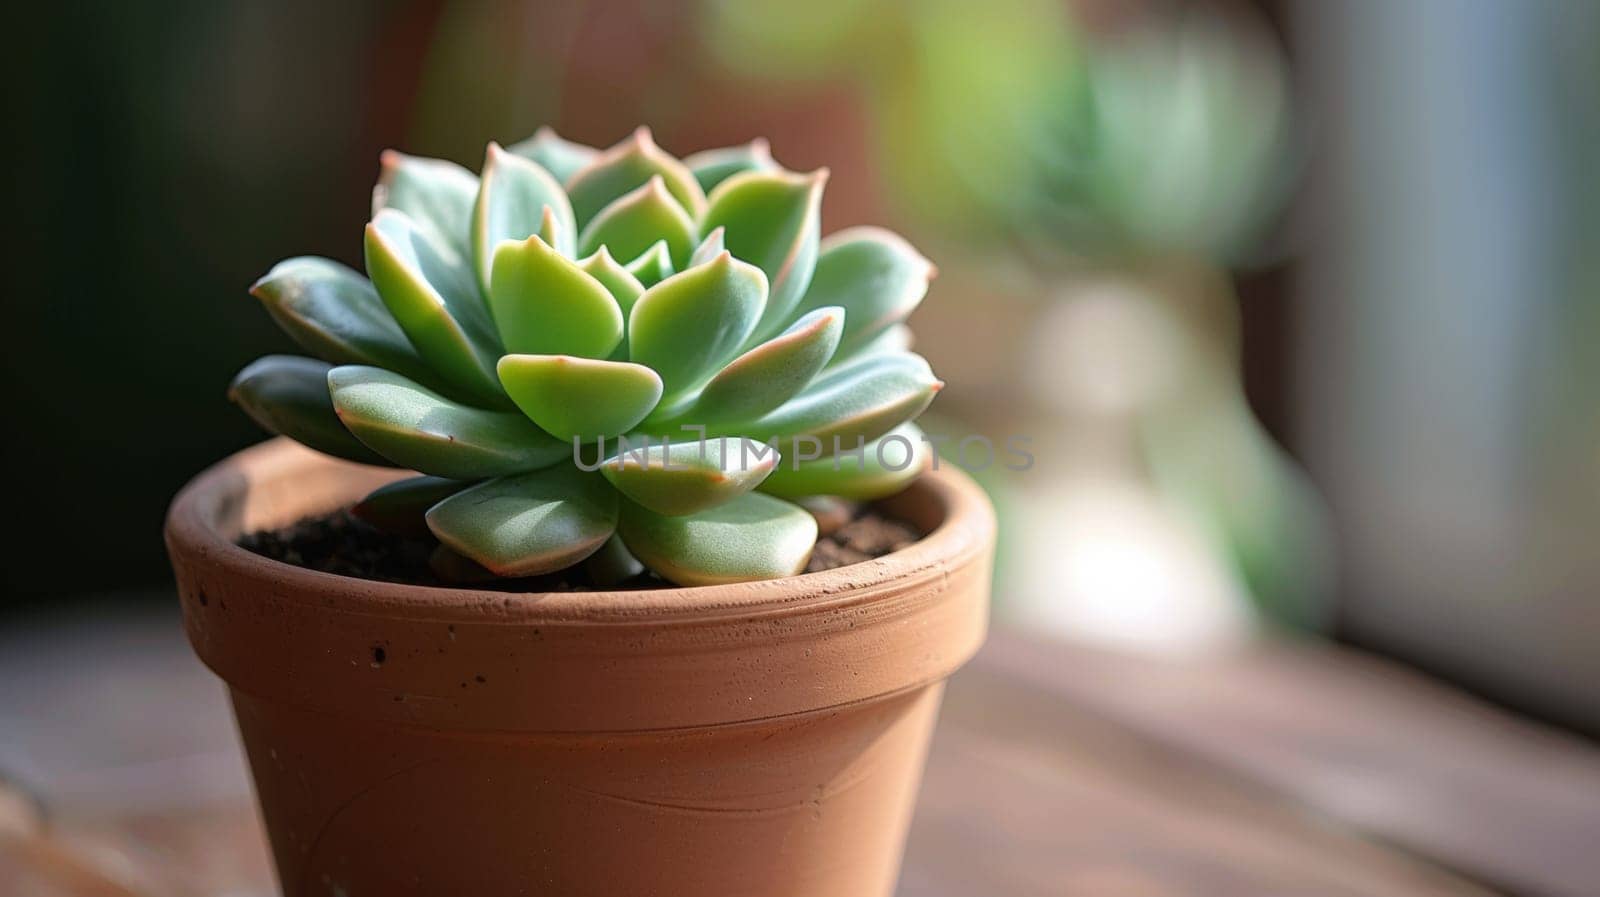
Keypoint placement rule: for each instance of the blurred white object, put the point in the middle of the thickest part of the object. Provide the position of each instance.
(1099, 551)
(1104, 558)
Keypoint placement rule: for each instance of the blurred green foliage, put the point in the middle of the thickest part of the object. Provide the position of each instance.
(1175, 141)
(955, 89)
(1152, 146)
(1161, 136)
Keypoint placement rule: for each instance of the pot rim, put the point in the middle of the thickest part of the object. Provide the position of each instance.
(193, 526)
(614, 661)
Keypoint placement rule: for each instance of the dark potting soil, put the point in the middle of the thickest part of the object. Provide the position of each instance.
(340, 543)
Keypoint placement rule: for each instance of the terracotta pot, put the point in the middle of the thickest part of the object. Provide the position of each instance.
(762, 739)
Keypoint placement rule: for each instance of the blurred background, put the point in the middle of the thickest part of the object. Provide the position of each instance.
(1296, 302)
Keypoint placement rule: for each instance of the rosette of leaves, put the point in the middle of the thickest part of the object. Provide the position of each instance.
(612, 355)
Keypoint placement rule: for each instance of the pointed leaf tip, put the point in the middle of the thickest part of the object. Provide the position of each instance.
(625, 167)
(854, 402)
(335, 314)
(633, 222)
(771, 373)
(437, 194)
(875, 275)
(435, 303)
(712, 167)
(688, 326)
(288, 395)
(516, 199)
(772, 220)
(709, 248)
(653, 265)
(557, 155)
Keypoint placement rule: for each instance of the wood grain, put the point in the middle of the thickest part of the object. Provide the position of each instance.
(1057, 770)
(1392, 753)
(1027, 796)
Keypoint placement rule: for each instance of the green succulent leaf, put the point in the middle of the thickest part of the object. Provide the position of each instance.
(687, 477)
(288, 395)
(874, 275)
(691, 324)
(634, 222)
(626, 167)
(437, 194)
(517, 199)
(435, 304)
(772, 373)
(773, 220)
(623, 286)
(335, 314)
(854, 403)
(545, 304)
(580, 398)
(709, 248)
(555, 154)
(754, 536)
(416, 427)
(892, 340)
(613, 564)
(885, 466)
(530, 523)
(653, 265)
(518, 321)
(401, 507)
(549, 232)
(712, 167)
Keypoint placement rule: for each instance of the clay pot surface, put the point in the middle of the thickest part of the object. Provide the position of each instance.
(750, 740)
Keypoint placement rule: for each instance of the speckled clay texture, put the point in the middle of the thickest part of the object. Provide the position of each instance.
(750, 740)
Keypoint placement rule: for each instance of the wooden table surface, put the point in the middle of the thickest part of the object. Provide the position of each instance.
(1287, 769)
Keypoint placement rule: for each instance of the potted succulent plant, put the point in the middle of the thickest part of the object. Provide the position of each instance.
(573, 377)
